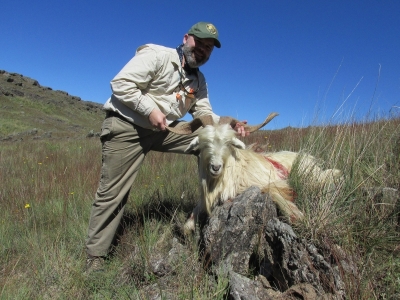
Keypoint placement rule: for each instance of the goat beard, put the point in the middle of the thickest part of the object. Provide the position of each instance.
(193, 58)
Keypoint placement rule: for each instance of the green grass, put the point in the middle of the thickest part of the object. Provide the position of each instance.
(47, 188)
(20, 115)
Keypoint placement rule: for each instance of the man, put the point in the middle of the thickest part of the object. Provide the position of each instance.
(158, 86)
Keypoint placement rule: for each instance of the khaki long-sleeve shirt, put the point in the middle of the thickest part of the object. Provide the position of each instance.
(151, 80)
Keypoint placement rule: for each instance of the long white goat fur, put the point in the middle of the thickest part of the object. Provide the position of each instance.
(241, 168)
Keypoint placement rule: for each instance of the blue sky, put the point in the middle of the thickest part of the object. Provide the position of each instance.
(310, 61)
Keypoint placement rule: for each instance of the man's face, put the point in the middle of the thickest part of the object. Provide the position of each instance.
(197, 51)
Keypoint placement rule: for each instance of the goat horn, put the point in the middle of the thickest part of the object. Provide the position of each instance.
(249, 128)
(185, 128)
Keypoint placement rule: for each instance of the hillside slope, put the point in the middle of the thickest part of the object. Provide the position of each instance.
(31, 111)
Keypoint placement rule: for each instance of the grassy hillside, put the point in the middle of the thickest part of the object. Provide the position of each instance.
(31, 111)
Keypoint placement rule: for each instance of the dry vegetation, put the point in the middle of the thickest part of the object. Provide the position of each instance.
(47, 188)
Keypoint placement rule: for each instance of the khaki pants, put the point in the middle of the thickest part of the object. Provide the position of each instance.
(124, 147)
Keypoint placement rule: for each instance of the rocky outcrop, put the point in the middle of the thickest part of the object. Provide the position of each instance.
(246, 242)
(246, 237)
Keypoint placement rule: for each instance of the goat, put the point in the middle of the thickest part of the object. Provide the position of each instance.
(227, 168)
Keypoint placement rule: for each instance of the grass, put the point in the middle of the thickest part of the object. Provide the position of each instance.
(63, 119)
(47, 188)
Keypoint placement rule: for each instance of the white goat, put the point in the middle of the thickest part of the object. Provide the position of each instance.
(227, 168)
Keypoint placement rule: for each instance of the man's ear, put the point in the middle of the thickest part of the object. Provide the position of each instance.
(185, 37)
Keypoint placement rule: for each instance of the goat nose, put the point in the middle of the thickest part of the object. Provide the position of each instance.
(216, 167)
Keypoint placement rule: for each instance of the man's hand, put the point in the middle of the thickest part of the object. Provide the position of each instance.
(239, 128)
(157, 119)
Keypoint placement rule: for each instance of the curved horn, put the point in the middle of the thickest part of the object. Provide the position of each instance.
(249, 128)
(185, 128)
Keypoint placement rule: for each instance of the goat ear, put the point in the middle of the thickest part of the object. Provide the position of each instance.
(238, 143)
(186, 128)
(193, 144)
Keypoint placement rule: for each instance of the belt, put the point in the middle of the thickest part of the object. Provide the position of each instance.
(110, 113)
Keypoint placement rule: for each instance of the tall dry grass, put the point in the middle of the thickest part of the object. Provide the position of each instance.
(47, 188)
(357, 221)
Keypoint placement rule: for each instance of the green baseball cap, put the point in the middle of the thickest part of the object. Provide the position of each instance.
(204, 30)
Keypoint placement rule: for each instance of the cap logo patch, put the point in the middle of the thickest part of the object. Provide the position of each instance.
(211, 28)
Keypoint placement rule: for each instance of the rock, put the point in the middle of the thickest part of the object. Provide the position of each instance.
(162, 266)
(232, 234)
(159, 266)
(242, 288)
(33, 131)
(155, 292)
(244, 237)
(47, 134)
(62, 92)
(294, 261)
(90, 134)
(301, 291)
(18, 93)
